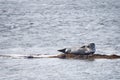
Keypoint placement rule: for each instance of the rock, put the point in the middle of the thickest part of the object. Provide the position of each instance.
(65, 56)
(92, 56)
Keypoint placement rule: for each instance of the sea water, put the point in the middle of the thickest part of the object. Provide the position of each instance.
(43, 26)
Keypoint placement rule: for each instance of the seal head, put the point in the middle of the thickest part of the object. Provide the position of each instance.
(90, 48)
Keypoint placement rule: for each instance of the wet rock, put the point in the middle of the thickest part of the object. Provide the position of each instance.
(92, 56)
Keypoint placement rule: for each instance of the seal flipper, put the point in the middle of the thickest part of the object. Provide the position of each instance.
(62, 50)
(82, 47)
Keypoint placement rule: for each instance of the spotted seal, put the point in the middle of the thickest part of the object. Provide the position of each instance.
(84, 50)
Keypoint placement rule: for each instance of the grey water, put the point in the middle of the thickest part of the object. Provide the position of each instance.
(43, 26)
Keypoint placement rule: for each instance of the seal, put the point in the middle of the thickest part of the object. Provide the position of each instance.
(84, 50)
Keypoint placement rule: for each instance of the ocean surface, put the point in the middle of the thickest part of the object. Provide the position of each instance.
(44, 26)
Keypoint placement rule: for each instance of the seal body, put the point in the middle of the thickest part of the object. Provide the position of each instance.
(84, 50)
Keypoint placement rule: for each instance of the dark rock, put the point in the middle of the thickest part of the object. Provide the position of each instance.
(91, 56)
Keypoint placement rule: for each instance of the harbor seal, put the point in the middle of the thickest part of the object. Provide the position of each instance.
(84, 50)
